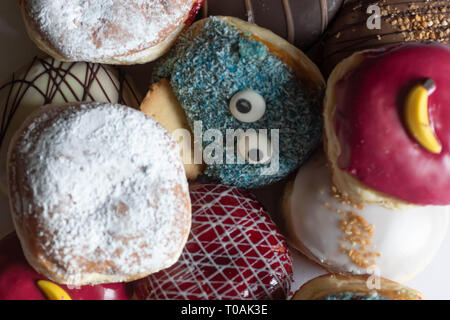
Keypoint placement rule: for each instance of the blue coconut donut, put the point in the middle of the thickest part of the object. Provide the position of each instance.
(221, 68)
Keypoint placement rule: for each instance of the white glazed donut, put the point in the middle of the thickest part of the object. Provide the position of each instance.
(98, 194)
(345, 238)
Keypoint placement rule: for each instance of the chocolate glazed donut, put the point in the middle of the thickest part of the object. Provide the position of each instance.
(401, 21)
(301, 22)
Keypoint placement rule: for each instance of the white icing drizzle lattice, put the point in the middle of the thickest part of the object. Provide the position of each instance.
(234, 252)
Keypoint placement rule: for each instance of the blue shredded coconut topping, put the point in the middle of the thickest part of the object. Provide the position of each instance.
(206, 69)
(354, 296)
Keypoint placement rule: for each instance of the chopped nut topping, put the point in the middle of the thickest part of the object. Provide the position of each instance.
(420, 22)
(357, 233)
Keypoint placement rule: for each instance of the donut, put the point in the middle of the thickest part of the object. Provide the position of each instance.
(227, 80)
(107, 31)
(19, 281)
(400, 21)
(386, 134)
(340, 287)
(234, 252)
(45, 80)
(299, 22)
(348, 238)
(98, 193)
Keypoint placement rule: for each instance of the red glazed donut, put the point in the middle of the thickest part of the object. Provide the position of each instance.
(18, 281)
(374, 154)
(234, 251)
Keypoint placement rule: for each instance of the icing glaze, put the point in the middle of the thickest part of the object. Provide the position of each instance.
(46, 80)
(18, 279)
(207, 68)
(110, 197)
(234, 251)
(376, 146)
(397, 244)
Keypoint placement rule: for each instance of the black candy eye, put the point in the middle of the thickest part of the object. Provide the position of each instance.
(243, 106)
(247, 106)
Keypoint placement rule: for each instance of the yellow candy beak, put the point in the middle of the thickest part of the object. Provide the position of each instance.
(52, 291)
(416, 116)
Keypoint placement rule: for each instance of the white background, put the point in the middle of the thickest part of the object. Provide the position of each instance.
(16, 50)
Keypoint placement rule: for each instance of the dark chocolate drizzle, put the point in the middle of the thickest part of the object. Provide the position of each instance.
(59, 74)
(300, 22)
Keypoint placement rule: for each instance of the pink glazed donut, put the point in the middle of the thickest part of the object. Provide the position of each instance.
(18, 281)
(374, 148)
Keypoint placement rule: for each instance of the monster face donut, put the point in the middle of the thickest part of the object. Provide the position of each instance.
(46, 80)
(348, 238)
(228, 81)
(299, 22)
(18, 281)
(339, 287)
(107, 31)
(234, 252)
(369, 24)
(387, 126)
(98, 193)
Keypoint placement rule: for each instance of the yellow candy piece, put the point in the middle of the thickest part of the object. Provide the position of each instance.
(53, 291)
(416, 116)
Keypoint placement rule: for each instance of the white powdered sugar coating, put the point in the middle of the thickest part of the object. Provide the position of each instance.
(106, 186)
(94, 29)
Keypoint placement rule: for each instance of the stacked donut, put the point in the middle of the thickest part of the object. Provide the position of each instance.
(376, 202)
(117, 197)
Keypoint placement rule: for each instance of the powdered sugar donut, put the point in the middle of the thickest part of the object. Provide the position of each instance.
(352, 239)
(107, 31)
(234, 251)
(48, 81)
(18, 281)
(93, 201)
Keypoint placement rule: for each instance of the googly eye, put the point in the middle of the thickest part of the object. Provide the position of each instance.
(247, 106)
(255, 147)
